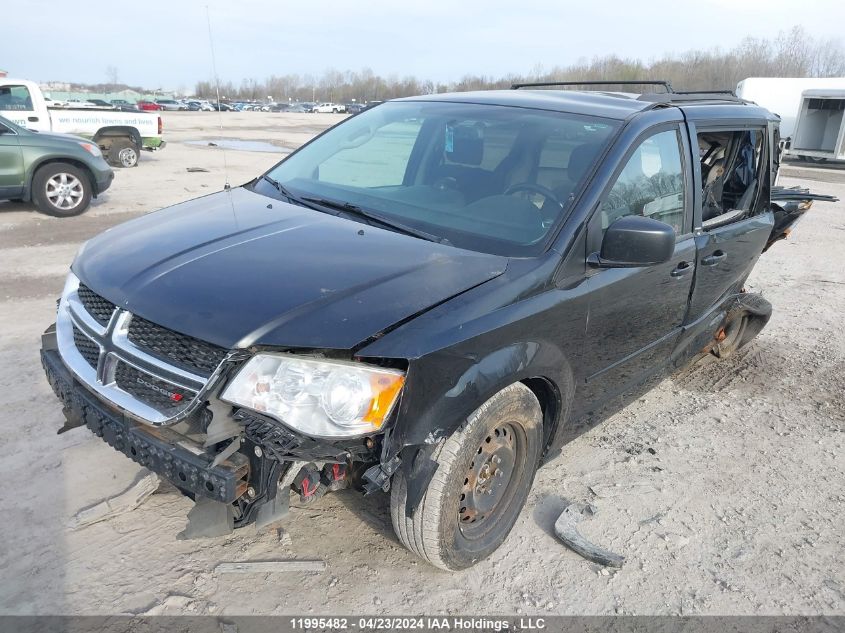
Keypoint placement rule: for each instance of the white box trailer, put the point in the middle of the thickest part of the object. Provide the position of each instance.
(782, 95)
(820, 128)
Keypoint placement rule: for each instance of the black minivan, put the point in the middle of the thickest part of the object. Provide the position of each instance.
(421, 300)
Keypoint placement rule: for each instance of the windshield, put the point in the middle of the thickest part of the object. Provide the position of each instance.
(494, 179)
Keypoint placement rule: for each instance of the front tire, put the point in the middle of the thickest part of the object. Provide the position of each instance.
(484, 473)
(61, 190)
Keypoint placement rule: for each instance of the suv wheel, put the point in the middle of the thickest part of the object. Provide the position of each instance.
(123, 153)
(484, 472)
(61, 190)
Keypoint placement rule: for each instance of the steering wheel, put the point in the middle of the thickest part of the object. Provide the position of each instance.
(547, 193)
(446, 183)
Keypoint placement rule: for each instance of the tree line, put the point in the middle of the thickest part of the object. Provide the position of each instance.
(789, 54)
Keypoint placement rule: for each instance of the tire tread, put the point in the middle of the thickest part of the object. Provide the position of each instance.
(421, 532)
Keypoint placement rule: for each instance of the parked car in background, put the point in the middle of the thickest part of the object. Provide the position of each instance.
(354, 108)
(80, 103)
(119, 135)
(125, 106)
(221, 107)
(337, 108)
(170, 104)
(59, 173)
(149, 106)
(299, 107)
(101, 103)
(280, 107)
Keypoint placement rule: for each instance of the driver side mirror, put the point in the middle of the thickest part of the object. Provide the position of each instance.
(633, 241)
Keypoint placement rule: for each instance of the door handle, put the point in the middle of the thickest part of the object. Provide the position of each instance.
(684, 268)
(33, 119)
(715, 258)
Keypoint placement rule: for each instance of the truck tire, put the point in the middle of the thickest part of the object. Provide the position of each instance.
(484, 473)
(123, 153)
(61, 190)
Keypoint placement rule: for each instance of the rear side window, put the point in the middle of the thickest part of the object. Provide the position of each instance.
(731, 163)
(651, 184)
(15, 98)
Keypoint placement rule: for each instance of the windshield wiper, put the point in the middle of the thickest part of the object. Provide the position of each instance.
(280, 188)
(354, 209)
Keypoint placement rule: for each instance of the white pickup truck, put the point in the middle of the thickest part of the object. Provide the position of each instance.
(120, 135)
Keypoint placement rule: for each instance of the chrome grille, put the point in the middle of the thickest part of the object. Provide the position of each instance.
(89, 349)
(180, 349)
(159, 394)
(99, 308)
(155, 375)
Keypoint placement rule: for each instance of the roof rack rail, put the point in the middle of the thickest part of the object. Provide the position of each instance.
(705, 92)
(692, 95)
(625, 82)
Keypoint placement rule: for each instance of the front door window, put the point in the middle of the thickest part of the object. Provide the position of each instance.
(651, 184)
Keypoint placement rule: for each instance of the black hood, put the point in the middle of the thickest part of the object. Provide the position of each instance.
(237, 268)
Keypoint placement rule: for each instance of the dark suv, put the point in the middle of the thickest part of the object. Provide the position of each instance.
(422, 300)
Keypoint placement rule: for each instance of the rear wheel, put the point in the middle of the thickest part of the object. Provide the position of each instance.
(61, 190)
(730, 337)
(123, 153)
(485, 470)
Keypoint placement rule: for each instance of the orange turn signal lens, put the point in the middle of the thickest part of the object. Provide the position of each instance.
(385, 388)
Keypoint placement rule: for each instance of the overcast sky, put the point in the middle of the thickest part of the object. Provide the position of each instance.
(155, 43)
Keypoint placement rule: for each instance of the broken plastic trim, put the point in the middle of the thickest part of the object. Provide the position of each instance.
(567, 532)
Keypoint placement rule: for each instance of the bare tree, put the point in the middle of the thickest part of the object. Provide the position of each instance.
(112, 77)
(793, 53)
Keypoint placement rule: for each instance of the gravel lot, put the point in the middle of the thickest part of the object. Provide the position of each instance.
(723, 486)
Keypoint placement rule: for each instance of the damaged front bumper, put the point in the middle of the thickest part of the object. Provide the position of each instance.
(159, 449)
(240, 475)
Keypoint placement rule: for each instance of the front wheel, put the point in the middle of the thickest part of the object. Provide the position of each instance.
(61, 190)
(484, 472)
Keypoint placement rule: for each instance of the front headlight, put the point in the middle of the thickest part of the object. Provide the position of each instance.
(317, 397)
(91, 148)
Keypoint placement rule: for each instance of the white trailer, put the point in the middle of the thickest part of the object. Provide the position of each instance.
(820, 128)
(782, 95)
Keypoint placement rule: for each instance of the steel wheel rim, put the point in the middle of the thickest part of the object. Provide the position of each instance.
(64, 191)
(127, 157)
(733, 333)
(489, 481)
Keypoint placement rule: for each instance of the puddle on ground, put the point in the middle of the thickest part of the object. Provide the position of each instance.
(240, 144)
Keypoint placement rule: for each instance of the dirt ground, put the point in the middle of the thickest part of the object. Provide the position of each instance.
(723, 486)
